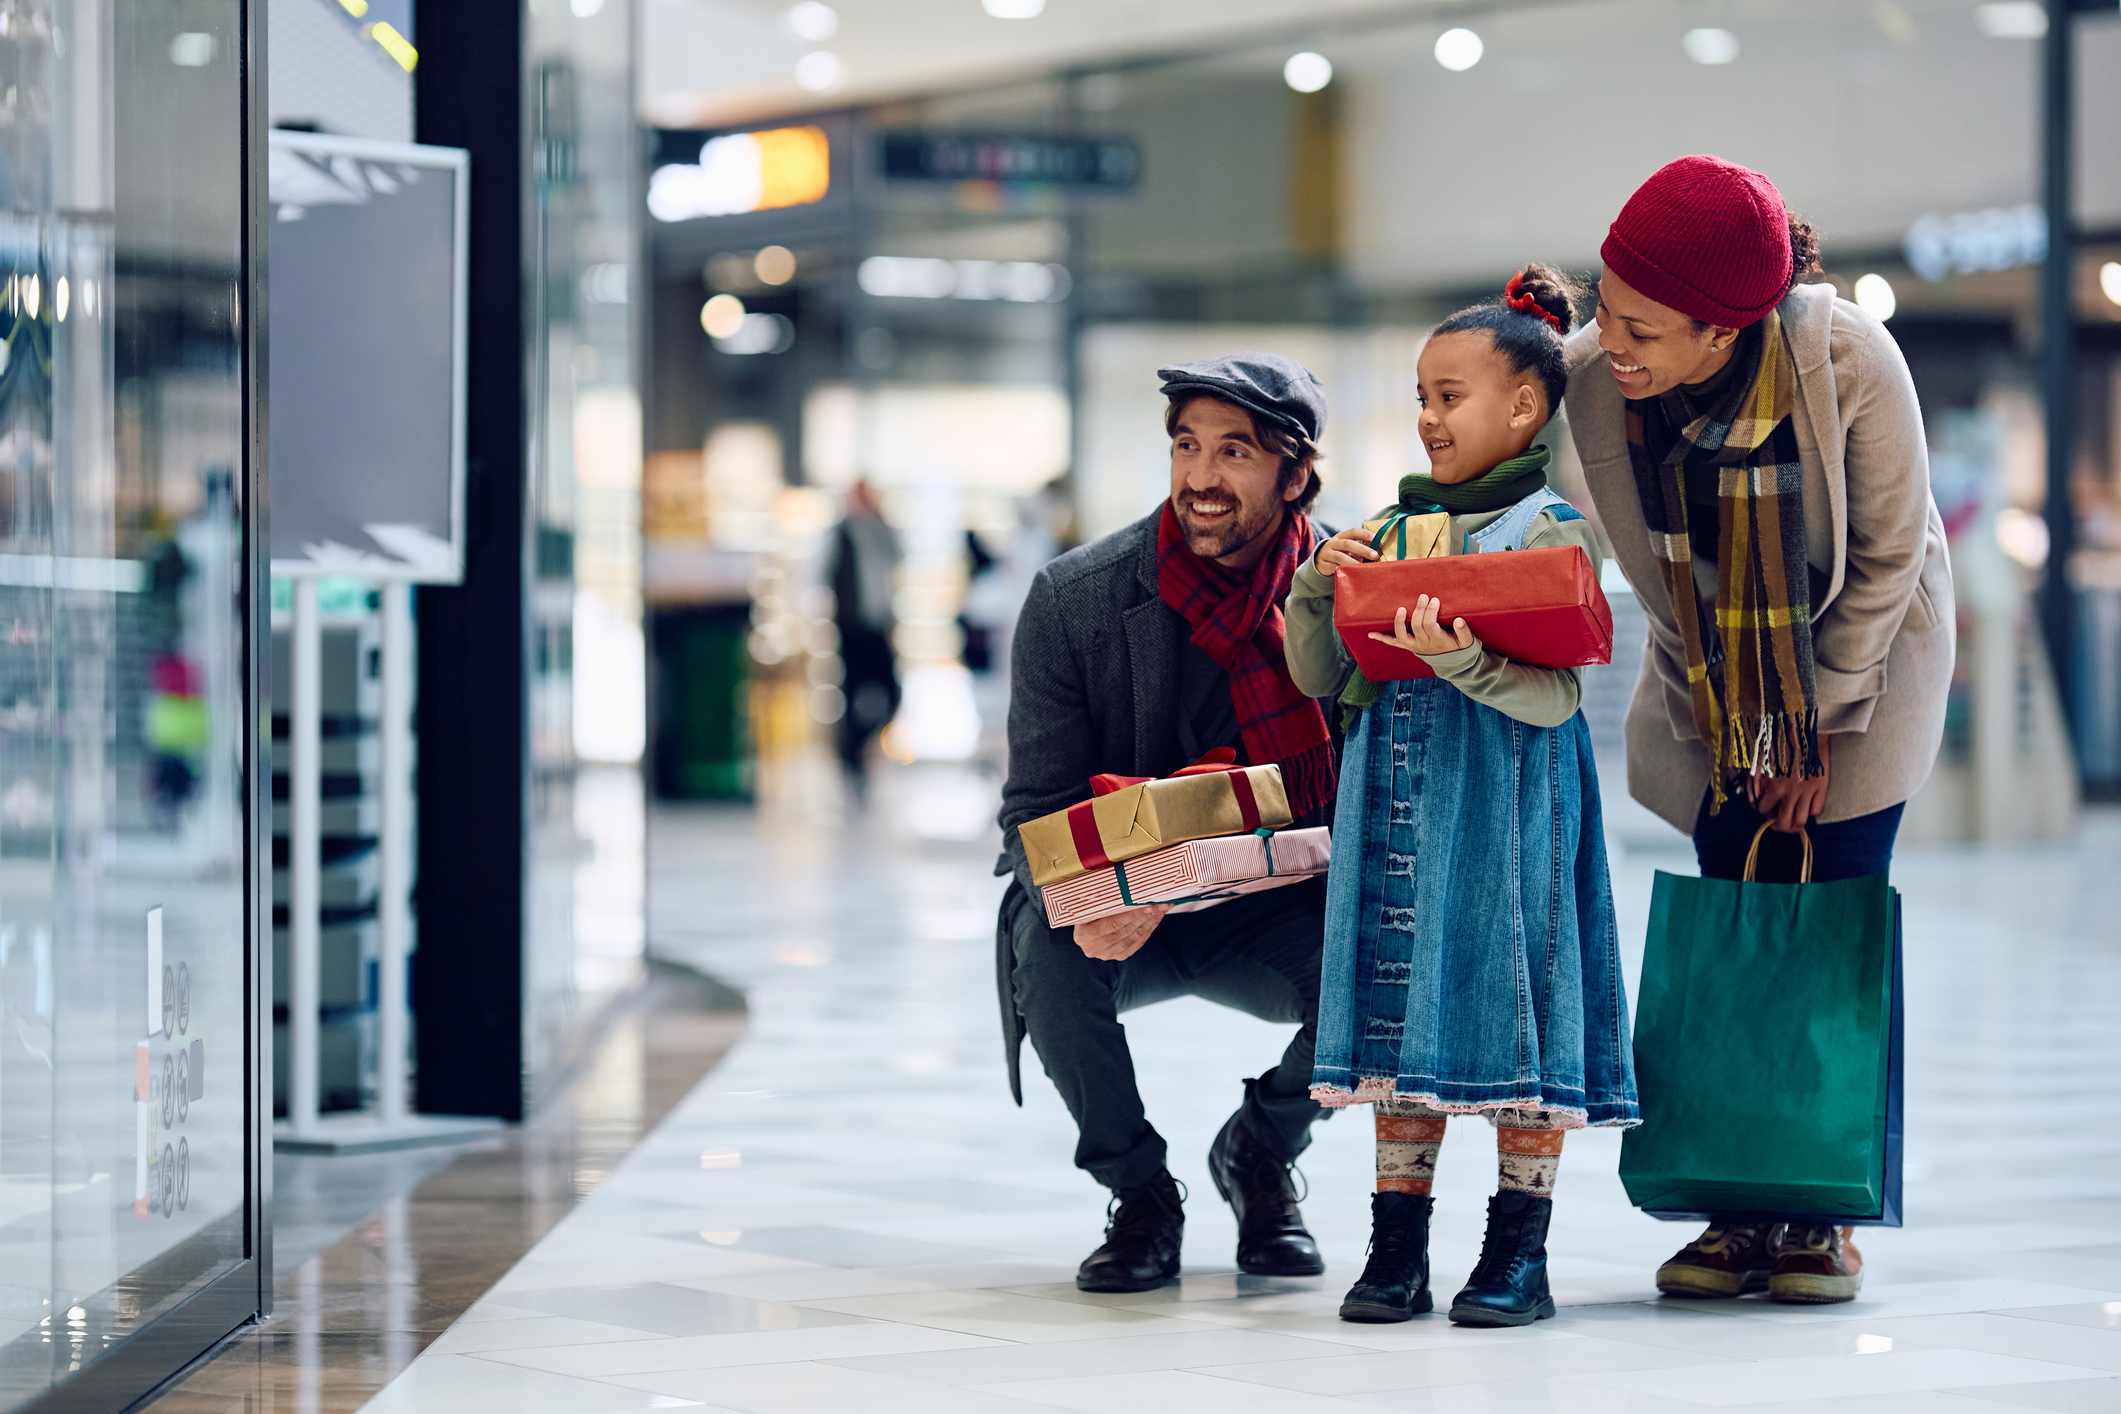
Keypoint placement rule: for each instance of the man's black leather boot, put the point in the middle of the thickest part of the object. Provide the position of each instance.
(1271, 1240)
(1395, 1285)
(1509, 1287)
(1144, 1226)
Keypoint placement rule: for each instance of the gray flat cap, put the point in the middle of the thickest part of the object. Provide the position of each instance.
(1279, 389)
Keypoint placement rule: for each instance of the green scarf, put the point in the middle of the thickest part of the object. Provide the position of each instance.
(1494, 489)
(1498, 488)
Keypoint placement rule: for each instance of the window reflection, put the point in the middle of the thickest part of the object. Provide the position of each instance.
(122, 1153)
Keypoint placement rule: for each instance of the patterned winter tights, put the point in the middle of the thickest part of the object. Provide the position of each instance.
(1409, 1133)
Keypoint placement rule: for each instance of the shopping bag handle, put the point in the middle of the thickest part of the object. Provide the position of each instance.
(1752, 856)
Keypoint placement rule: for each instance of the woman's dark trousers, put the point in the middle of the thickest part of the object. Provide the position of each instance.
(1846, 849)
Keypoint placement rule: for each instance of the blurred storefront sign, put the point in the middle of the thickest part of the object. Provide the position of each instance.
(1969, 242)
(928, 277)
(1109, 164)
(738, 173)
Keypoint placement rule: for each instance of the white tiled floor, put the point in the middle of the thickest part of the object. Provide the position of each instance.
(850, 1215)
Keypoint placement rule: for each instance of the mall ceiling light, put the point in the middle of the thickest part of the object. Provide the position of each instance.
(1710, 46)
(722, 316)
(775, 265)
(1459, 49)
(1307, 72)
(1874, 295)
(2012, 19)
(583, 9)
(2110, 280)
(758, 334)
(604, 284)
(819, 71)
(1014, 9)
(2022, 536)
(812, 21)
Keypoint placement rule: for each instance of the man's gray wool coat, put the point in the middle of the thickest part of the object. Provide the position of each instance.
(1094, 686)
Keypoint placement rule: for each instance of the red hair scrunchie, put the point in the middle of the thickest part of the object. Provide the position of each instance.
(1513, 295)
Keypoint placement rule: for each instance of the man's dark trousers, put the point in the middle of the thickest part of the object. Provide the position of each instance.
(1258, 954)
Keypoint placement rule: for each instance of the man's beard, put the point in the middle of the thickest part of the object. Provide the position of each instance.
(1214, 542)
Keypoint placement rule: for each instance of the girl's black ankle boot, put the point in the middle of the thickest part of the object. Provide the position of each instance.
(1509, 1287)
(1395, 1284)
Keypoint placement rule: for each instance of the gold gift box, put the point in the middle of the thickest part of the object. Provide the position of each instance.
(1426, 537)
(1153, 815)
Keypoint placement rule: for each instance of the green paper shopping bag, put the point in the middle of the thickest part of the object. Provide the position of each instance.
(1767, 1052)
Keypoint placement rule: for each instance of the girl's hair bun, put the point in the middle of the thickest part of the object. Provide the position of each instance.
(1537, 307)
(1546, 293)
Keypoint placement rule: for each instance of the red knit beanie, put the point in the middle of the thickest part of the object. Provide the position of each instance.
(1707, 237)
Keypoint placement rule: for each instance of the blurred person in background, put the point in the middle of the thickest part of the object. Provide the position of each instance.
(1756, 453)
(863, 572)
(982, 609)
(1137, 654)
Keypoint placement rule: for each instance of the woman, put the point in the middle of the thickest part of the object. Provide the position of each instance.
(1756, 453)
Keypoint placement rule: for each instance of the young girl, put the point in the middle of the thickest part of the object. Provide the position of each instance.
(1470, 954)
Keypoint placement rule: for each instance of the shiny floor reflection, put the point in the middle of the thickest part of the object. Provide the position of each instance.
(352, 1311)
(850, 1215)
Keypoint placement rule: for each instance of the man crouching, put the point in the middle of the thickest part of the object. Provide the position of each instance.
(1137, 654)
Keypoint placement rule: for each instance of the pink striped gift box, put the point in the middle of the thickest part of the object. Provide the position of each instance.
(1194, 875)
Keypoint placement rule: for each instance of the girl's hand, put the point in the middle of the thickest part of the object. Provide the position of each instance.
(1422, 634)
(1789, 803)
(1350, 547)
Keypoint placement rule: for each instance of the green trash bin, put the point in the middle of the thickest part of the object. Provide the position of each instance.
(702, 748)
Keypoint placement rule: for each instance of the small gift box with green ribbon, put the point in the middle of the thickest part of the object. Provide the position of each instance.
(1195, 875)
(1402, 535)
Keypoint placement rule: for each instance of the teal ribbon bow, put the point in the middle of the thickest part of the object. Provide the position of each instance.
(1396, 521)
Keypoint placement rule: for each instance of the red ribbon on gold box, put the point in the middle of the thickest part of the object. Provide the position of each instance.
(1129, 816)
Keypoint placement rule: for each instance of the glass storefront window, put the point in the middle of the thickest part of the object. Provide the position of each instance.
(126, 1118)
(584, 936)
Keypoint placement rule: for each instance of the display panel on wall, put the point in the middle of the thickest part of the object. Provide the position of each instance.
(367, 357)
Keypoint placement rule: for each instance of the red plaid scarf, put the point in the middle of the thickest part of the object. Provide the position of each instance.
(1237, 621)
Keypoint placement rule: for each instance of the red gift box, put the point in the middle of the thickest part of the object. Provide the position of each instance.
(1542, 607)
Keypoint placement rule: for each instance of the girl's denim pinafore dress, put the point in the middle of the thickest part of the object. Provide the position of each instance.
(1471, 953)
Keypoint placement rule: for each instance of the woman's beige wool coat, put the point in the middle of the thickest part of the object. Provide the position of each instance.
(1882, 634)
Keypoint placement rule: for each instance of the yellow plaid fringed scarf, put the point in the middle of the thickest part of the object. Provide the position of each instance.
(1749, 663)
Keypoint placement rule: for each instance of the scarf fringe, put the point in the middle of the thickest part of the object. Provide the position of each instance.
(1778, 745)
(1310, 776)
